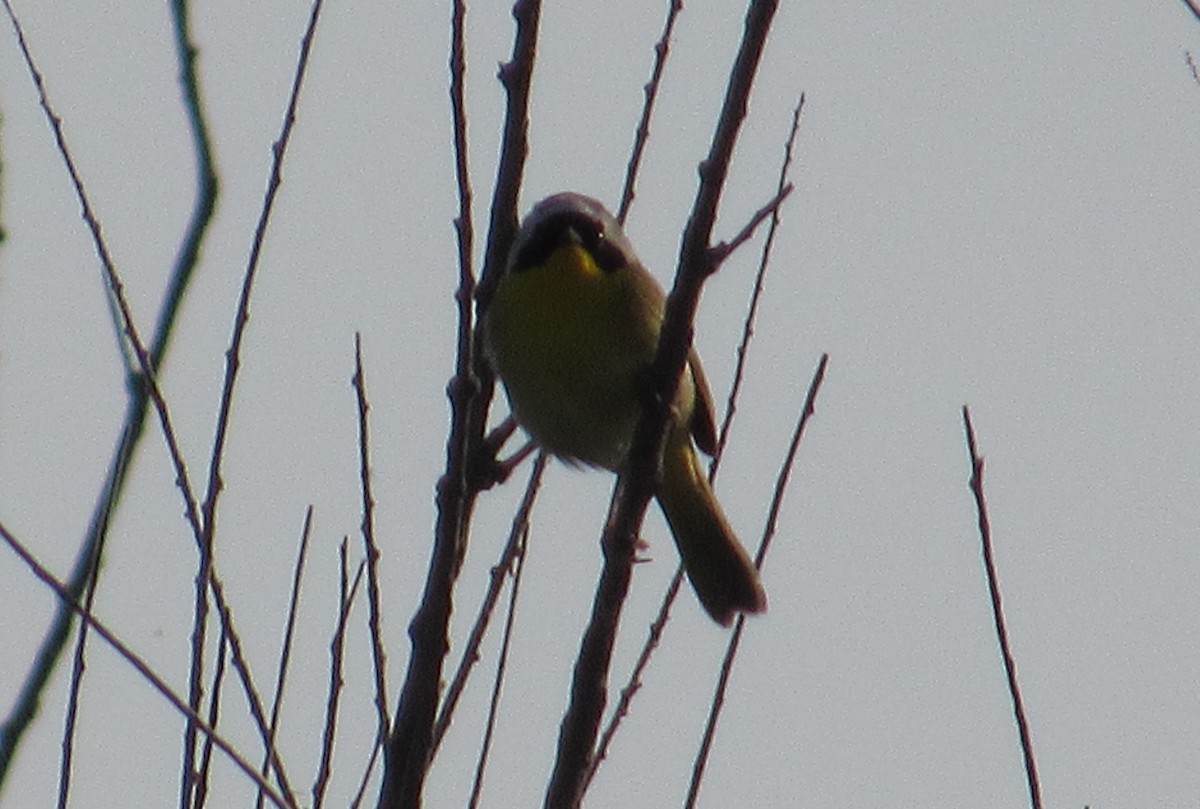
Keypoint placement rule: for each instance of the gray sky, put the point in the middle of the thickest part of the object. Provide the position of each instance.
(995, 205)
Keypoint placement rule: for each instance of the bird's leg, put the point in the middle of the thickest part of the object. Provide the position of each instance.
(491, 470)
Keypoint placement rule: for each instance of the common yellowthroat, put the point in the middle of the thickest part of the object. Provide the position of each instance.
(571, 331)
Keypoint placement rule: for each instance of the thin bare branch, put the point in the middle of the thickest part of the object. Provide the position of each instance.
(144, 364)
(743, 349)
(993, 580)
(374, 617)
(91, 549)
(361, 793)
(75, 689)
(724, 250)
(501, 665)
(464, 224)
(661, 50)
(285, 653)
(207, 185)
(214, 712)
(253, 700)
(500, 570)
(633, 684)
(1193, 7)
(408, 753)
(635, 486)
(242, 316)
(143, 669)
(115, 285)
(781, 482)
(337, 647)
(205, 576)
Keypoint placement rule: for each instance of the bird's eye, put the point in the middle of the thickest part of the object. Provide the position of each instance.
(566, 228)
(607, 255)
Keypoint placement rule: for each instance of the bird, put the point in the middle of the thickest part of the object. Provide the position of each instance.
(571, 330)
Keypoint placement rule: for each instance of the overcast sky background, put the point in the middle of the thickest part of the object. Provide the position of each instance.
(996, 204)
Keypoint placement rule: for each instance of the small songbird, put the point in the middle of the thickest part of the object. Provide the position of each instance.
(571, 330)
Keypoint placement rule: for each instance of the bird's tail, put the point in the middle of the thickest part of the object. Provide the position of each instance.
(721, 572)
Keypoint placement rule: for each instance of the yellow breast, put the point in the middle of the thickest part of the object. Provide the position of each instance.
(570, 340)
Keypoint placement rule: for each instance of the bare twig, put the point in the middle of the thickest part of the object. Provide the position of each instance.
(661, 50)
(500, 570)
(633, 684)
(249, 690)
(285, 653)
(361, 792)
(78, 667)
(409, 747)
(463, 225)
(635, 486)
(724, 250)
(214, 713)
(242, 315)
(739, 371)
(993, 580)
(374, 619)
(336, 649)
(515, 75)
(781, 481)
(143, 669)
(205, 577)
(144, 365)
(465, 232)
(115, 285)
(501, 665)
(91, 549)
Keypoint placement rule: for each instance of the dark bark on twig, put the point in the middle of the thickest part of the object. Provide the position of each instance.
(633, 684)
(635, 486)
(408, 750)
(781, 481)
(993, 580)
(661, 49)
(285, 651)
(371, 548)
(281, 799)
(91, 549)
(499, 573)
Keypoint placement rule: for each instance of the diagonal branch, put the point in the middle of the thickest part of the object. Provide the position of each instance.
(408, 750)
(279, 799)
(1193, 7)
(743, 349)
(285, 651)
(635, 486)
(502, 663)
(781, 481)
(374, 612)
(206, 578)
(658, 626)
(91, 549)
(993, 580)
(500, 571)
(661, 49)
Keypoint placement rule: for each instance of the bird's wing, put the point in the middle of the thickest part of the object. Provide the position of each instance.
(704, 427)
